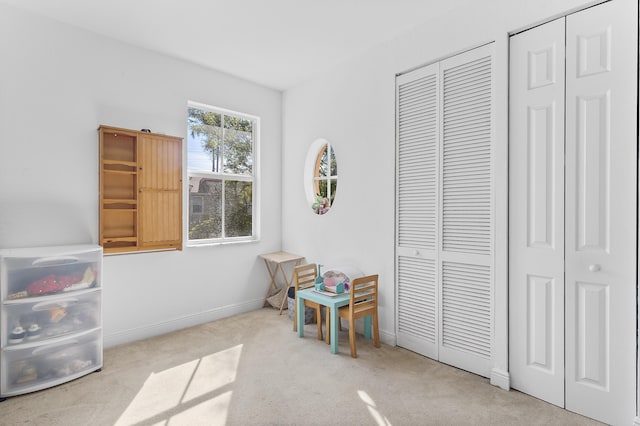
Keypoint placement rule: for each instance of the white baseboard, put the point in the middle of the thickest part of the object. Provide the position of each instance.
(500, 378)
(388, 338)
(144, 332)
(385, 337)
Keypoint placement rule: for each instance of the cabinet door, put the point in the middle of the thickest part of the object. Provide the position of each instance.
(160, 192)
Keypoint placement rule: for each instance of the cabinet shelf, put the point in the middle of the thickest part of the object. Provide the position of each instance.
(119, 205)
(120, 210)
(120, 248)
(120, 163)
(121, 172)
(120, 239)
(107, 201)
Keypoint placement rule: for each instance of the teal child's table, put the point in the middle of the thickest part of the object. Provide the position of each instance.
(333, 303)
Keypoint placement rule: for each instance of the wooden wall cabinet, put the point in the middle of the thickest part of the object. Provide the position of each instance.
(140, 190)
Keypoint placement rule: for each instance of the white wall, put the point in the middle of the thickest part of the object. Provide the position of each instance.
(57, 84)
(354, 108)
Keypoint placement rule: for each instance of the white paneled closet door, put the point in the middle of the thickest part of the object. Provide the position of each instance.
(445, 210)
(573, 285)
(600, 250)
(536, 214)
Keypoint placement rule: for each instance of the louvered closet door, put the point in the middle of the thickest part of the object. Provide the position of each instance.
(444, 210)
(466, 210)
(416, 201)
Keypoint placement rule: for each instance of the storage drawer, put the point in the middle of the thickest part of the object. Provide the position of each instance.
(33, 273)
(31, 368)
(44, 318)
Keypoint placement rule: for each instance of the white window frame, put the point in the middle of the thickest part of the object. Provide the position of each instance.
(310, 177)
(316, 178)
(200, 204)
(253, 178)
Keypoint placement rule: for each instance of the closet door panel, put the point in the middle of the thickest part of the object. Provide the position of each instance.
(417, 310)
(466, 321)
(416, 201)
(601, 157)
(466, 210)
(536, 212)
(466, 156)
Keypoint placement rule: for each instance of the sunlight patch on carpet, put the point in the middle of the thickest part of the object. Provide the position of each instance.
(196, 390)
(373, 410)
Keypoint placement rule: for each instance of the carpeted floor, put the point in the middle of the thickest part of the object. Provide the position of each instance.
(252, 369)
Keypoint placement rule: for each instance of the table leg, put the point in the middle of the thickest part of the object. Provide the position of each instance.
(272, 275)
(300, 315)
(286, 287)
(333, 323)
(287, 283)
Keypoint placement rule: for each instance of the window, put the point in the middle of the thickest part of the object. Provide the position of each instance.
(197, 204)
(221, 171)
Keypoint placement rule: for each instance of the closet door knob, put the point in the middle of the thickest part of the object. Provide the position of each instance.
(594, 268)
(417, 252)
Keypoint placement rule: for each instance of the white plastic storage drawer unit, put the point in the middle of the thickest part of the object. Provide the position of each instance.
(50, 316)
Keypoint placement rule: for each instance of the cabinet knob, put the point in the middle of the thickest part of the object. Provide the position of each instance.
(594, 268)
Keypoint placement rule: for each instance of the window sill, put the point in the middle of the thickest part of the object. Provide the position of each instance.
(219, 243)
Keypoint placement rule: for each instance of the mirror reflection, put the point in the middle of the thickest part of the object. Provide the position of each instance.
(325, 179)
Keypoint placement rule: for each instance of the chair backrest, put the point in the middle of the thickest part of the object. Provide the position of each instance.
(364, 292)
(304, 276)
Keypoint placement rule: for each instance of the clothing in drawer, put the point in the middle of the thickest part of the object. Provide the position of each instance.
(35, 320)
(36, 367)
(30, 277)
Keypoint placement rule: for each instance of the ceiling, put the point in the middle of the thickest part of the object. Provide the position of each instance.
(276, 43)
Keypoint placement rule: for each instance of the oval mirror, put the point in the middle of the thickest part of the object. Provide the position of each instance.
(321, 176)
